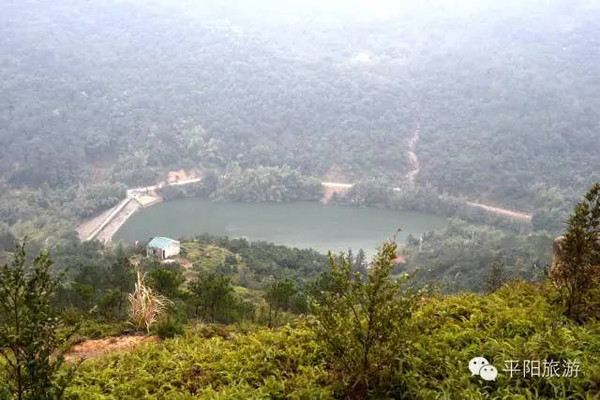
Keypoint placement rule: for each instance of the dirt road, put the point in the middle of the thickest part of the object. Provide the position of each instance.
(412, 156)
(502, 211)
(104, 226)
(492, 209)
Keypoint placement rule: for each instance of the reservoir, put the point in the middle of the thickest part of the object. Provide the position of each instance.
(296, 224)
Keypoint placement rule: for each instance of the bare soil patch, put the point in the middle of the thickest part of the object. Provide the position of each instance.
(183, 175)
(95, 348)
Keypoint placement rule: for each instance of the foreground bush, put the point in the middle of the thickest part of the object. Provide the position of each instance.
(517, 322)
(363, 324)
(284, 363)
(145, 306)
(31, 346)
(169, 327)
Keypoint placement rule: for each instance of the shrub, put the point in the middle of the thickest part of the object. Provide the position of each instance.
(71, 315)
(363, 325)
(514, 323)
(169, 327)
(30, 341)
(212, 361)
(264, 364)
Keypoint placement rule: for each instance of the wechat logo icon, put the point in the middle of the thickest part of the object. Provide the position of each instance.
(482, 367)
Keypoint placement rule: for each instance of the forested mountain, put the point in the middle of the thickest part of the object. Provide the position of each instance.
(99, 94)
(484, 113)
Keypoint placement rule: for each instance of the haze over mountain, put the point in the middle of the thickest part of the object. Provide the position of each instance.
(198, 186)
(106, 92)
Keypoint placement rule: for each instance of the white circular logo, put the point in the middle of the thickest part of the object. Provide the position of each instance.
(476, 363)
(488, 373)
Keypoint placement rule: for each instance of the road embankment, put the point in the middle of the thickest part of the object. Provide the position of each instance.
(104, 226)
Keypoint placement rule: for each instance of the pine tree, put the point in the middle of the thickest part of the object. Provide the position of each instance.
(121, 275)
(213, 297)
(279, 296)
(29, 329)
(577, 273)
(360, 263)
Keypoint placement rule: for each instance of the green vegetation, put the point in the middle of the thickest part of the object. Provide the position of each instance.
(459, 256)
(223, 280)
(380, 193)
(31, 346)
(494, 277)
(498, 100)
(578, 271)
(362, 326)
(509, 120)
(165, 278)
(369, 334)
(517, 322)
(97, 285)
(274, 184)
(213, 298)
(258, 364)
(253, 264)
(204, 256)
(279, 296)
(145, 306)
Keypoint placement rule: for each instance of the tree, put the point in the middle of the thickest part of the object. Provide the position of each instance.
(229, 266)
(29, 329)
(121, 276)
(363, 324)
(278, 297)
(167, 280)
(494, 277)
(360, 263)
(350, 256)
(578, 271)
(213, 298)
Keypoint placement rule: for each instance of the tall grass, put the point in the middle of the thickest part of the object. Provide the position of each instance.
(145, 306)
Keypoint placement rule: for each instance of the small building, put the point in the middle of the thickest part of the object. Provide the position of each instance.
(162, 248)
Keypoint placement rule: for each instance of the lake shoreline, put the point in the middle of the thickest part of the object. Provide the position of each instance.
(104, 226)
(300, 224)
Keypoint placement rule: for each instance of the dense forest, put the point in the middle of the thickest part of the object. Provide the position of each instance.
(98, 95)
(423, 106)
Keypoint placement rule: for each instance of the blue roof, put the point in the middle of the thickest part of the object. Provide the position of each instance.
(161, 242)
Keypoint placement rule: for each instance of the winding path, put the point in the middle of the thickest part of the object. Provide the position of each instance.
(416, 168)
(502, 211)
(492, 209)
(412, 156)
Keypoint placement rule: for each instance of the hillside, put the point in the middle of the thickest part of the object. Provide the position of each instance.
(457, 137)
(98, 95)
(516, 323)
(227, 318)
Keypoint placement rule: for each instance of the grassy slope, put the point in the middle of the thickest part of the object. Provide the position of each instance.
(515, 323)
(205, 256)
